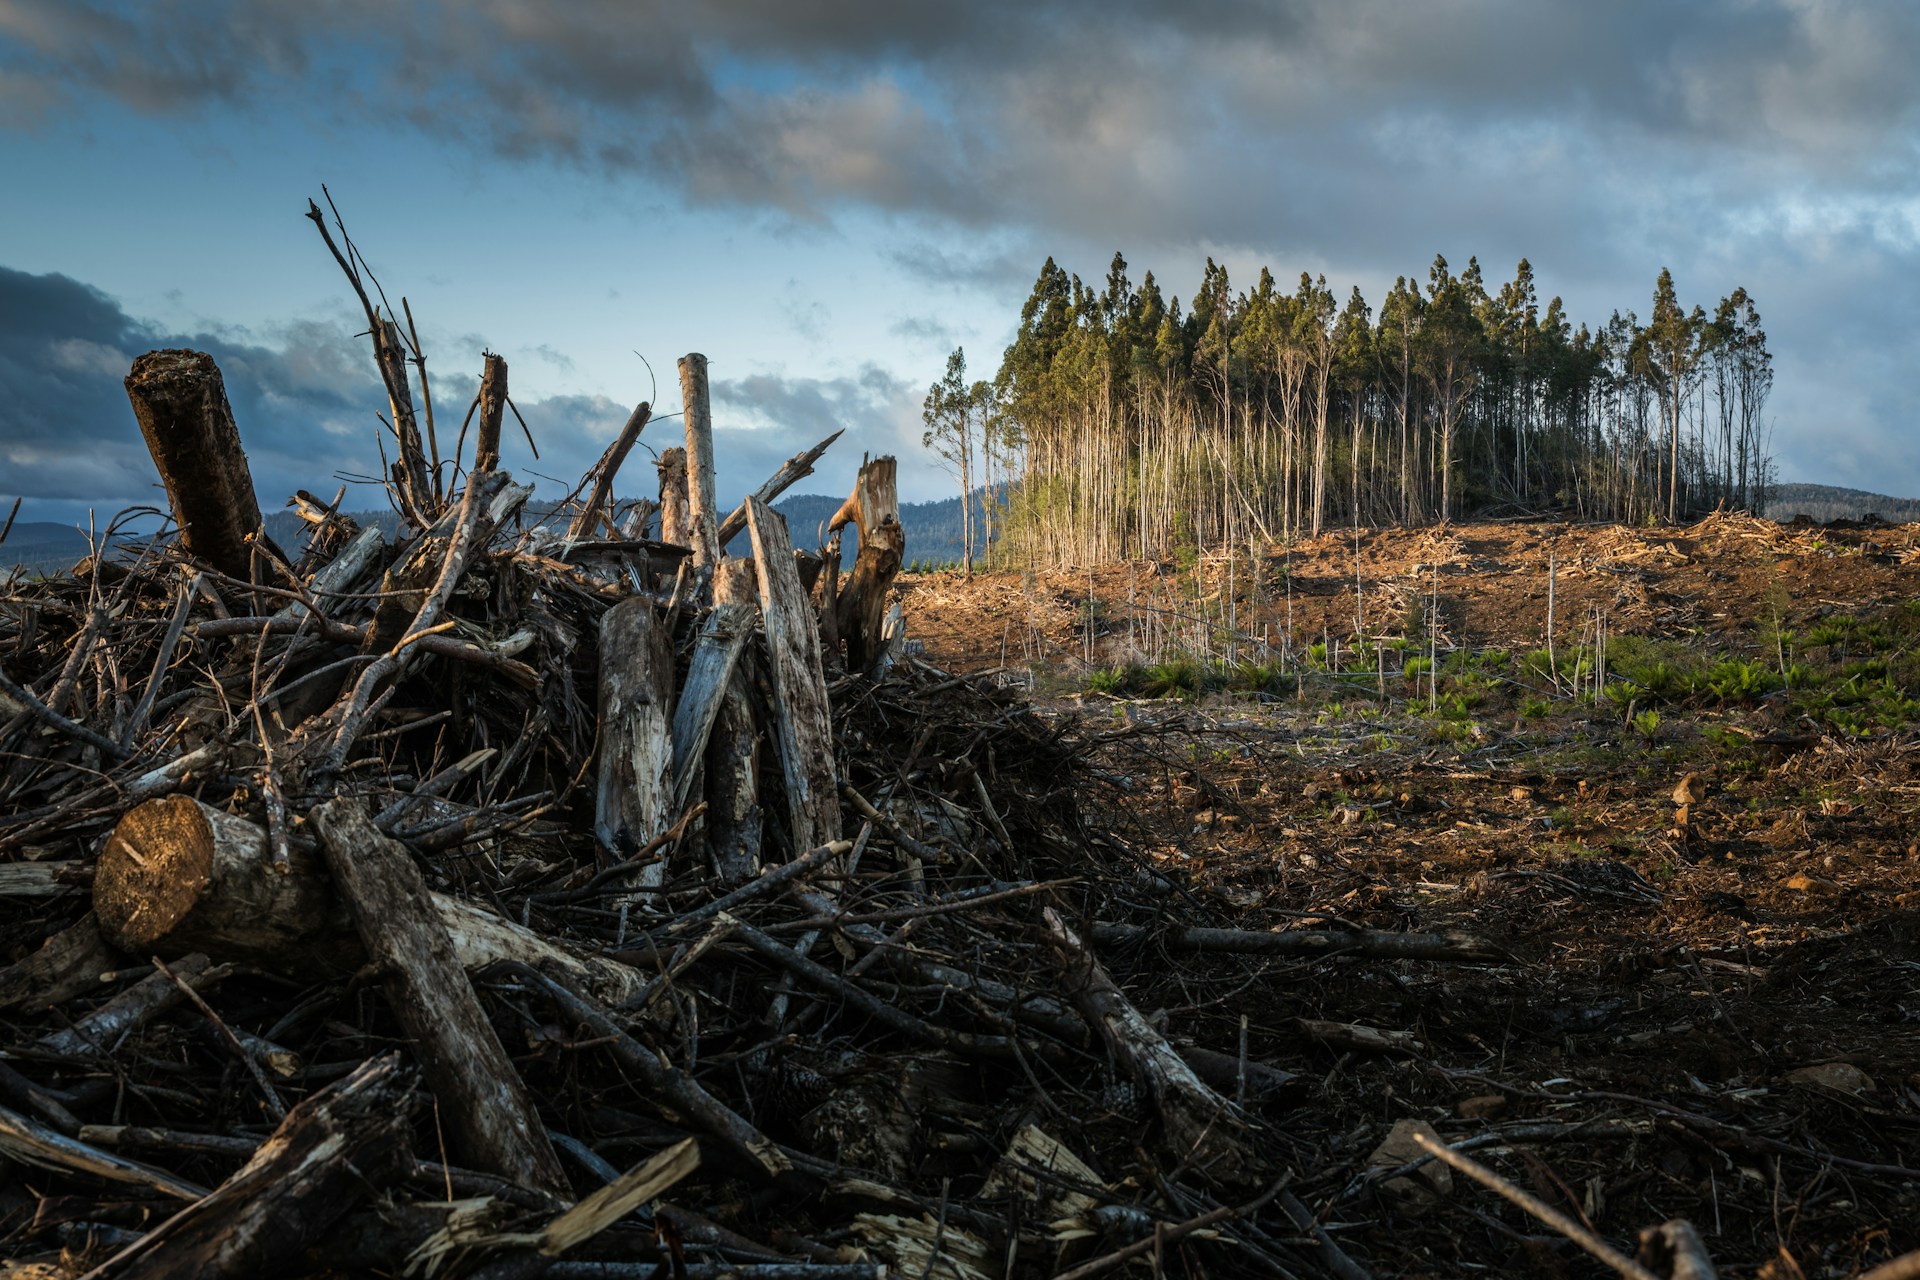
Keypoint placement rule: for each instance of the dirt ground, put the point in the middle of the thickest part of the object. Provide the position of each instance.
(1710, 1010)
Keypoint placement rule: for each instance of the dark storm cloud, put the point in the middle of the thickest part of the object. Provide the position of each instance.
(1357, 137)
(1153, 119)
(67, 434)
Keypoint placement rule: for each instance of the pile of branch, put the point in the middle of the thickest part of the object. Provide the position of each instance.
(603, 894)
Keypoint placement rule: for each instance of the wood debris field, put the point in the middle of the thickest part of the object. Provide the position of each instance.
(613, 890)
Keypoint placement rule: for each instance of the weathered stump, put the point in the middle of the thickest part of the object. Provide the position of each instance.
(181, 404)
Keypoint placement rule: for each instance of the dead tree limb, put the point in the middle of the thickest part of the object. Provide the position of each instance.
(411, 470)
(30, 1142)
(181, 404)
(335, 1148)
(795, 469)
(587, 519)
(488, 1114)
(1200, 1125)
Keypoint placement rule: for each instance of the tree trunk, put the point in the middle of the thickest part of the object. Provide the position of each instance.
(860, 613)
(802, 718)
(488, 1114)
(633, 801)
(674, 517)
(715, 651)
(180, 402)
(177, 876)
(703, 520)
(493, 408)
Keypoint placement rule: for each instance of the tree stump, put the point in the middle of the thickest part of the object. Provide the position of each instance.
(860, 611)
(181, 404)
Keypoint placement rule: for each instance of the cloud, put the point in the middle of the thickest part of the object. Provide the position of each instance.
(924, 331)
(1753, 142)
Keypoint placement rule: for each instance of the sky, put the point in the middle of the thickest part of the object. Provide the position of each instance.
(827, 198)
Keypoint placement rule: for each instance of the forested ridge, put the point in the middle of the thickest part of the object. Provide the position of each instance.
(1120, 424)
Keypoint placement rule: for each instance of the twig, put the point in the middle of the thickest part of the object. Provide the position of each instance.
(1546, 1213)
(1167, 1235)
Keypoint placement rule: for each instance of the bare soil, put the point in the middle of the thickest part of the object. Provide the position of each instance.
(1673, 973)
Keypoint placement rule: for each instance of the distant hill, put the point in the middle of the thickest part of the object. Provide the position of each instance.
(1826, 502)
(41, 546)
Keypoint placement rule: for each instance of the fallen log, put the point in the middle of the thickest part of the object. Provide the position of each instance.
(96, 1034)
(181, 404)
(178, 876)
(489, 1116)
(731, 764)
(334, 1149)
(722, 636)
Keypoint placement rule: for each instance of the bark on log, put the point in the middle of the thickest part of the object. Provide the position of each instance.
(674, 516)
(335, 1148)
(633, 801)
(703, 522)
(493, 408)
(861, 610)
(802, 718)
(1200, 1125)
(178, 876)
(489, 1116)
(180, 402)
(66, 965)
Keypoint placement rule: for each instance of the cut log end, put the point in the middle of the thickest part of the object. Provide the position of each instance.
(153, 871)
(177, 876)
